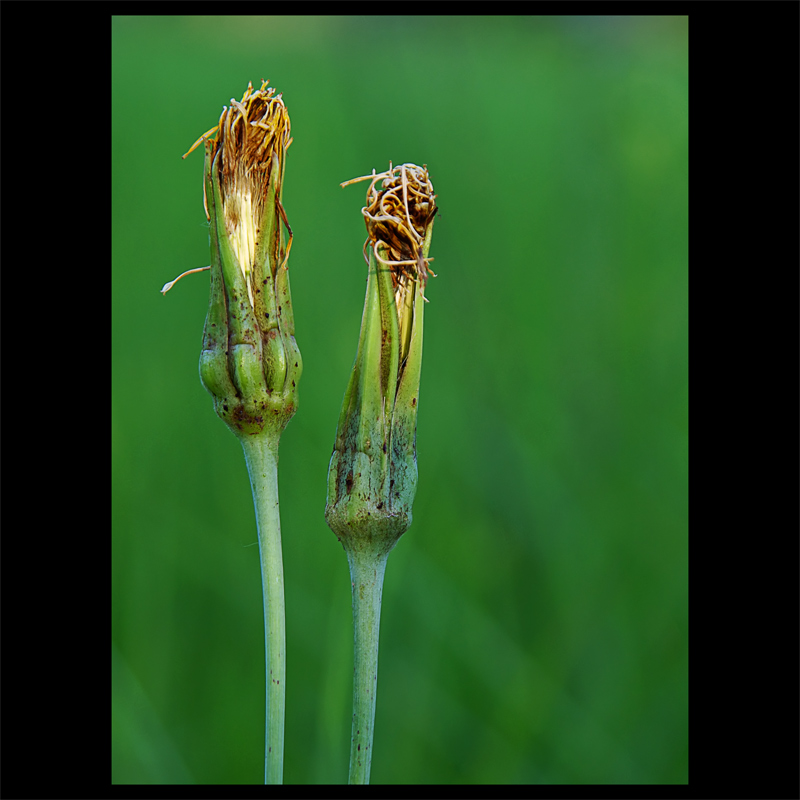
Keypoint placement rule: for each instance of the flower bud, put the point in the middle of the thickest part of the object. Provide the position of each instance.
(250, 362)
(372, 477)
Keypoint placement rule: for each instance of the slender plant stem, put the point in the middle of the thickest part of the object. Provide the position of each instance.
(261, 454)
(366, 576)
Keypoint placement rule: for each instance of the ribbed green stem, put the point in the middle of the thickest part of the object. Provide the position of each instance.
(366, 576)
(261, 454)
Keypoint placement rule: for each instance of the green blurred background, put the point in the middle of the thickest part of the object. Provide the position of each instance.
(535, 616)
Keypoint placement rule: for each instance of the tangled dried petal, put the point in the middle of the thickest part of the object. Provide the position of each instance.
(398, 214)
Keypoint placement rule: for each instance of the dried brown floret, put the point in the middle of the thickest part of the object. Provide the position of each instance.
(398, 214)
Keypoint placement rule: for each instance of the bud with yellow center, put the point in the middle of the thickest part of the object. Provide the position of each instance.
(250, 362)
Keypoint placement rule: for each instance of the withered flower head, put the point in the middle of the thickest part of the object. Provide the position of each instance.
(250, 362)
(247, 135)
(398, 216)
(372, 477)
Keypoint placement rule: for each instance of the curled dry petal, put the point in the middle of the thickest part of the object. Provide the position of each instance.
(398, 214)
